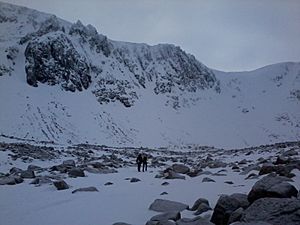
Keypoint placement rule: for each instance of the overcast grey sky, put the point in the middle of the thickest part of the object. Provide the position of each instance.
(229, 35)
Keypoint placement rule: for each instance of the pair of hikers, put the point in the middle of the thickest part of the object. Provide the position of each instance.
(142, 159)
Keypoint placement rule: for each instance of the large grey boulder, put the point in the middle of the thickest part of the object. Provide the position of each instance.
(11, 180)
(76, 172)
(27, 174)
(162, 205)
(276, 211)
(198, 202)
(180, 168)
(267, 168)
(272, 186)
(175, 215)
(226, 205)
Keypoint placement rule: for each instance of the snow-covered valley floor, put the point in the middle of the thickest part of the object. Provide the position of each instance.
(122, 200)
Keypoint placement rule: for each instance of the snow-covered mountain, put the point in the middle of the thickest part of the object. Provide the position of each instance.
(66, 83)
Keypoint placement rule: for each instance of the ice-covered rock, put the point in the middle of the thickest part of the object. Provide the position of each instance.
(162, 205)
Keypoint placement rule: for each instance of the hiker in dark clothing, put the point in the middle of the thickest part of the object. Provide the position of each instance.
(145, 158)
(139, 161)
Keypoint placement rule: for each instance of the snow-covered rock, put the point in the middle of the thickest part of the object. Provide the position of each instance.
(272, 186)
(162, 205)
(275, 211)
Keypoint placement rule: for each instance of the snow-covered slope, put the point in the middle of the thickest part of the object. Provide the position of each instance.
(67, 83)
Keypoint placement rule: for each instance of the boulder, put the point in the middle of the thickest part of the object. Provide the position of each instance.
(226, 205)
(216, 164)
(41, 180)
(100, 170)
(203, 207)
(290, 152)
(170, 174)
(27, 174)
(276, 211)
(15, 170)
(282, 160)
(34, 168)
(134, 180)
(207, 179)
(194, 172)
(252, 176)
(248, 169)
(61, 168)
(11, 180)
(198, 202)
(76, 172)
(272, 186)
(175, 215)
(282, 170)
(69, 162)
(242, 162)
(236, 215)
(267, 168)
(85, 189)
(228, 182)
(61, 185)
(180, 168)
(162, 205)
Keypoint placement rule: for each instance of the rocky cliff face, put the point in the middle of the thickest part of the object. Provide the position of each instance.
(75, 57)
(54, 60)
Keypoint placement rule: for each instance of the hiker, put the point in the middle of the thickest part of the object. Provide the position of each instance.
(145, 158)
(139, 161)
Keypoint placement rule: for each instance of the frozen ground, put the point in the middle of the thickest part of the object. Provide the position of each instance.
(123, 201)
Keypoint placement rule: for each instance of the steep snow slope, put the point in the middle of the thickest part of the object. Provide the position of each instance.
(66, 83)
